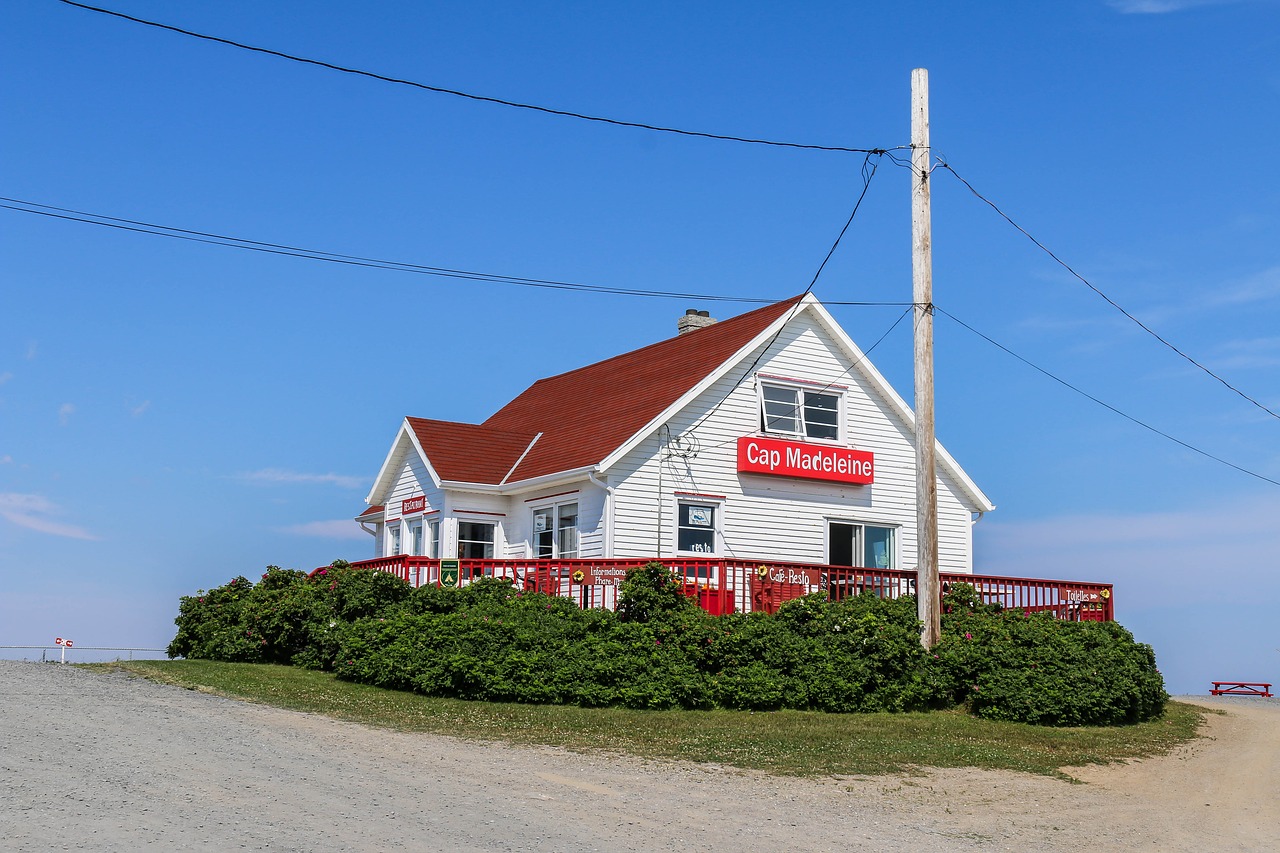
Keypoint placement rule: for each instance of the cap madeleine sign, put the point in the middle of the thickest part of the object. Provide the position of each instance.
(782, 458)
(449, 573)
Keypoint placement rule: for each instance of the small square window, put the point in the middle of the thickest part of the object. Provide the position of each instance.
(696, 528)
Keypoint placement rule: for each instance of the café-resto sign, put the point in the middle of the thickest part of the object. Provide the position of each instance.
(783, 458)
(409, 506)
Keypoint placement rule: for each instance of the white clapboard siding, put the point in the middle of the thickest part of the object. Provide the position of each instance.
(778, 517)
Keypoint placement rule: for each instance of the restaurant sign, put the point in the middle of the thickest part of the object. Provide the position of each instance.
(808, 461)
(412, 505)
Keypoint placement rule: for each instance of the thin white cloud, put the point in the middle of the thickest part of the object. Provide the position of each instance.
(36, 512)
(1207, 553)
(1262, 286)
(138, 410)
(32, 349)
(6, 459)
(5, 377)
(1248, 354)
(1161, 7)
(275, 476)
(338, 529)
(65, 411)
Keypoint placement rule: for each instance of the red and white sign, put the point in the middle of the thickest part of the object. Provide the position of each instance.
(809, 461)
(791, 574)
(412, 505)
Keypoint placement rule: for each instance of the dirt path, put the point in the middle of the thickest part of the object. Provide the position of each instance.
(112, 763)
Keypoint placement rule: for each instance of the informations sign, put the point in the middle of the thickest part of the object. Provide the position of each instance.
(449, 573)
(783, 458)
(602, 575)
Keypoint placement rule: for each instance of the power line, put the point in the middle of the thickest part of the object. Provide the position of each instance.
(1105, 405)
(842, 373)
(210, 238)
(945, 165)
(868, 172)
(468, 95)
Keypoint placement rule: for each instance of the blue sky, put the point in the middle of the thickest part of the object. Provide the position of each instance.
(173, 414)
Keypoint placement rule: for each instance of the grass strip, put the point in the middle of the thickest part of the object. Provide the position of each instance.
(791, 743)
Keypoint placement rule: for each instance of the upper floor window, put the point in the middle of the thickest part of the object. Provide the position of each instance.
(800, 412)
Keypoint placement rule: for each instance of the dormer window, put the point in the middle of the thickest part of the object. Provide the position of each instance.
(797, 411)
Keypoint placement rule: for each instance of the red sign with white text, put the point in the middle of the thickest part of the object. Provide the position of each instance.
(809, 461)
(411, 505)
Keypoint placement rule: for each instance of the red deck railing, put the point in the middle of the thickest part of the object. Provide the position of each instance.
(734, 585)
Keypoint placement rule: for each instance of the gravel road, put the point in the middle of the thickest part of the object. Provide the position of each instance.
(110, 762)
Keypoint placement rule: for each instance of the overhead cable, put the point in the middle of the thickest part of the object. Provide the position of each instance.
(869, 168)
(209, 238)
(1105, 405)
(1152, 332)
(469, 95)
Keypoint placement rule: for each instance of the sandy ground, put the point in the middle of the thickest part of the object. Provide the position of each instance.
(109, 762)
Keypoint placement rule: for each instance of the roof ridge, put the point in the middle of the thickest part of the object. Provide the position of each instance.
(718, 326)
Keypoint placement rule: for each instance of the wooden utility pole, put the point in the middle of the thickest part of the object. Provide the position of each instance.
(927, 582)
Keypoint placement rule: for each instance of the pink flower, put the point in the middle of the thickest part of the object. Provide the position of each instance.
(322, 572)
(968, 636)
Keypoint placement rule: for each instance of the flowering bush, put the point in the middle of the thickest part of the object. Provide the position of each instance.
(489, 641)
(1032, 668)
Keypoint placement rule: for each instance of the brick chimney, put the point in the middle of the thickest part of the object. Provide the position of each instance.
(694, 319)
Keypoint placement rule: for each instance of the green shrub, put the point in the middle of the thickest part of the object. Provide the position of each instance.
(489, 641)
(288, 617)
(1033, 668)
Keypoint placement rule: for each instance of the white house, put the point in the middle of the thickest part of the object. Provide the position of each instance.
(767, 436)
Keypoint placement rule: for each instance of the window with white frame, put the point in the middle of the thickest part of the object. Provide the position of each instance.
(867, 546)
(696, 527)
(798, 411)
(475, 539)
(393, 538)
(433, 538)
(555, 531)
(415, 537)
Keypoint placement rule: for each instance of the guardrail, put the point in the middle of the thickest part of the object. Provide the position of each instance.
(63, 650)
(726, 585)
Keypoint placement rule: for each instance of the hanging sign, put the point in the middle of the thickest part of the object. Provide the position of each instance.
(790, 574)
(600, 575)
(783, 458)
(449, 573)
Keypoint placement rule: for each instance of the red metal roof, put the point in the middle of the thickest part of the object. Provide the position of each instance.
(470, 453)
(373, 510)
(586, 414)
